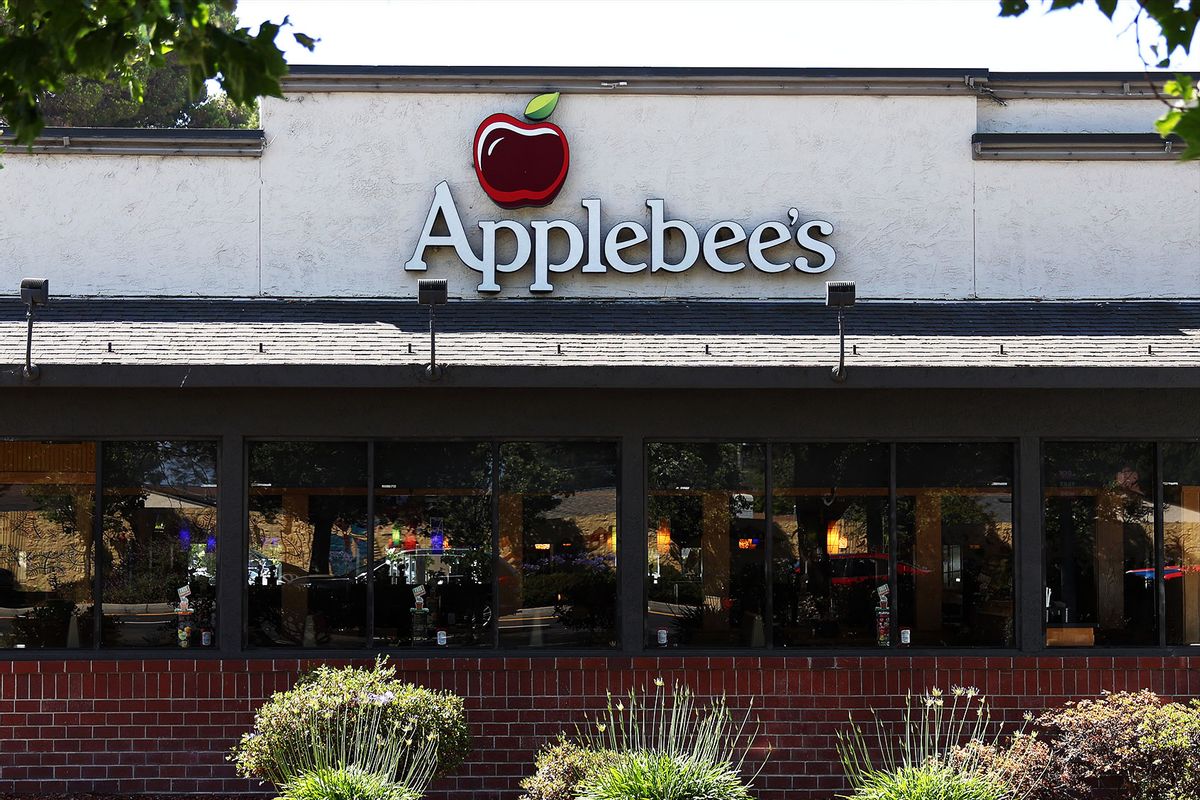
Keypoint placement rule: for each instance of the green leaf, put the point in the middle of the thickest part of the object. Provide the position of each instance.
(1187, 127)
(1013, 8)
(1107, 7)
(1183, 120)
(541, 106)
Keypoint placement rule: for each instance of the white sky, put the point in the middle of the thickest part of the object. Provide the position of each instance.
(744, 33)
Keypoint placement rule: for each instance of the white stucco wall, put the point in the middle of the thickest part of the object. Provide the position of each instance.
(1087, 229)
(1069, 116)
(130, 225)
(336, 203)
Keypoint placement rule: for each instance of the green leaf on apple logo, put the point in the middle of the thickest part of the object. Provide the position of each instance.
(541, 106)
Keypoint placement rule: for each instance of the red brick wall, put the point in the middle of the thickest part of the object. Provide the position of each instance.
(165, 726)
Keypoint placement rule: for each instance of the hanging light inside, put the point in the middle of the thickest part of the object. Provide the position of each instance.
(664, 537)
(835, 537)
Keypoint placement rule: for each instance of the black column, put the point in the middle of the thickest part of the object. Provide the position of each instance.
(232, 545)
(631, 543)
(1029, 573)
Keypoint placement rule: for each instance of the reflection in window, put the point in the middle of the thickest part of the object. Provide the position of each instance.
(46, 511)
(558, 544)
(954, 529)
(160, 541)
(1181, 531)
(830, 548)
(309, 546)
(433, 543)
(1099, 526)
(705, 544)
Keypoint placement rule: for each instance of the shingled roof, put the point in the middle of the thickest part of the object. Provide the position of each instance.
(262, 342)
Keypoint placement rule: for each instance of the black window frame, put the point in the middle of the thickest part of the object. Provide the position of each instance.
(223, 536)
(232, 454)
(1160, 589)
(494, 443)
(894, 648)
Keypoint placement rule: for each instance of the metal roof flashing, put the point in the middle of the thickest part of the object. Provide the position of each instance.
(314, 78)
(231, 142)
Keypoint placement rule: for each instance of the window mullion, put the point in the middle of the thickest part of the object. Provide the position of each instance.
(371, 544)
(1160, 561)
(768, 584)
(97, 546)
(495, 487)
(893, 549)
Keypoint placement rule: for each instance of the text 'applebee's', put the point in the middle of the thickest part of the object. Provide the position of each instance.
(599, 253)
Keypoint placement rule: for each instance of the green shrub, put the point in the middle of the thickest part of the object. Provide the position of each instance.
(944, 747)
(933, 728)
(644, 775)
(662, 746)
(412, 712)
(932, 781)
(1151, 749)
(353, 753)
(561, 767)
(348, 783)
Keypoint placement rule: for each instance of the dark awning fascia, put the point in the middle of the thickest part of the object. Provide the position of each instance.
(412, 376)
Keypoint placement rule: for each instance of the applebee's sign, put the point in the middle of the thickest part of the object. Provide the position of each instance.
(524, 164)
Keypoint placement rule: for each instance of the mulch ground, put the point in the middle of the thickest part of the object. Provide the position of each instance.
(90, 796)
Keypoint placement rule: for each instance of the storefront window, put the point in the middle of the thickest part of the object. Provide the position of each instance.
(433, 544)
(954, 531)
(159, 567)
(1181, 531)
(558, 544)
(830, 542)
(47, 502)
(706, 534)
(309, 546)
(1099, 527)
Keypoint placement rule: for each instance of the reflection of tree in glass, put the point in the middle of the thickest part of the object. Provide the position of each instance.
(1092, 485)
(57, 548)
(159, 514)
(575, 573)
(706, 537)
(303, 542)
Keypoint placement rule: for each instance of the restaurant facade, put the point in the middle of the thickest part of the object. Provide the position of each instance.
(805, 387)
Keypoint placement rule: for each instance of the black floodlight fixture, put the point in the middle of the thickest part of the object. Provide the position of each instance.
(432, 292)
(840, 295)
(34, 292)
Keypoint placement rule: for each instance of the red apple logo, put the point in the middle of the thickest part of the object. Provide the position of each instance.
(522, 164)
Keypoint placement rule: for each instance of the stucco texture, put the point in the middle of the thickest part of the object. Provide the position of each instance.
(130, 225)
(1087, 229)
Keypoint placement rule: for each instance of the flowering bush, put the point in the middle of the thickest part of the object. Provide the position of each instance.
(666, 747)
(352, 753)
(943, 748)
(285, 722)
